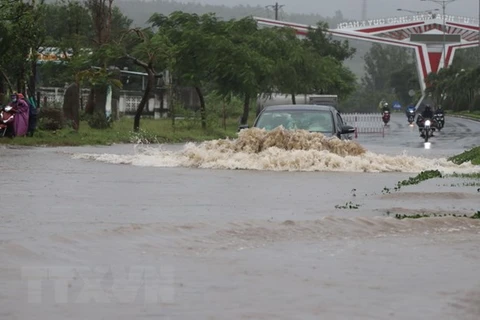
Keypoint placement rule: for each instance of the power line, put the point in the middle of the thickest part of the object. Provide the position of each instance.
(276, 7)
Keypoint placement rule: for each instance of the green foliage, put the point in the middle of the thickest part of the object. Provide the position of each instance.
(456, 88)
(472, 155)
(51, 119)
(68, 25)
(348, 205)
(322, 42)
(422, 176)
(20, 25)
(153, 131)
(234, 58)
(238, 58)
(98, 121)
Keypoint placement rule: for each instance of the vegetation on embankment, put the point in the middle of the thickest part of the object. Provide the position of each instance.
(153, 131)
(474, 115)
(472, 155)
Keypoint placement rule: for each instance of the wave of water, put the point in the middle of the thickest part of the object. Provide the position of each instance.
(280, 150)
(199, 237)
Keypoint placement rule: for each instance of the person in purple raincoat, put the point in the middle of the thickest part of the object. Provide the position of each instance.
(20, 125)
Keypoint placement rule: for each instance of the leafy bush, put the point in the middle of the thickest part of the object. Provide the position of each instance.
(51, 119)
(99, 121)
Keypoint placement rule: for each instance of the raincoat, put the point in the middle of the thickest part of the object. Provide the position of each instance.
(20, 125)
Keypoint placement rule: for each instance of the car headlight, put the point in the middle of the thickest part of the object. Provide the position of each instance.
(427, 122)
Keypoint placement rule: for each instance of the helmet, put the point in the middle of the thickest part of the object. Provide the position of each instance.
(427, 107)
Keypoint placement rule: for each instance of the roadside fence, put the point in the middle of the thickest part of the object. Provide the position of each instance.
(365, 123)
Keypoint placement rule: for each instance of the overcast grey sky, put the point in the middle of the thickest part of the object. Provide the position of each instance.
(352, 9)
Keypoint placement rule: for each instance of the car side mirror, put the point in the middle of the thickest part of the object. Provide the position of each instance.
(242, 126)
(347, 130)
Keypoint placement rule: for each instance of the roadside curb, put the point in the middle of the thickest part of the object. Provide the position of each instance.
(464, 117)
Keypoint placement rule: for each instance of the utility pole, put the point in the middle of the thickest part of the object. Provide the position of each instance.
(364, 10)
(444, 6)
(276, 7)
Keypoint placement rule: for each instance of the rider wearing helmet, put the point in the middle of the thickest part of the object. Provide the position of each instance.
(410, 110)
(427, 112)
(439, 111)
(385, 107)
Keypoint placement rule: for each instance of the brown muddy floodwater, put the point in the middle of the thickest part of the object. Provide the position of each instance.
(175, 233)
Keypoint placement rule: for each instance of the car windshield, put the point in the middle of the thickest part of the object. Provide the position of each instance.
(311, 120)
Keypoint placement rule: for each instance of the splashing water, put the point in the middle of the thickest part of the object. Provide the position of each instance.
(280, 150)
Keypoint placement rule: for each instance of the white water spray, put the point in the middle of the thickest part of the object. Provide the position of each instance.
(280, 150)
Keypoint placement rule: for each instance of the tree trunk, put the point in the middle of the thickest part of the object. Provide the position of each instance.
(150, 70)
(246, 109)
(100, 99)
(203, 111)
(90, 105)
(146, 95)
(4, 75)
(32, 82)
(294, 99)
(19, 84)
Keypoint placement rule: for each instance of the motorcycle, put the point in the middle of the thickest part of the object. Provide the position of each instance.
(386, 117)
(427, 129)
(411, 116)
(7, 117)
(440, 120)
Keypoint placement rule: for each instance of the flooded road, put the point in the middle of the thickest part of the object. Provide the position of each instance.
(145, 234)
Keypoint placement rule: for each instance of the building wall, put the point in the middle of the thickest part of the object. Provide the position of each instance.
(128, 101)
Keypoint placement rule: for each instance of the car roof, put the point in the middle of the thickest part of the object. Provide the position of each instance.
(299, 107)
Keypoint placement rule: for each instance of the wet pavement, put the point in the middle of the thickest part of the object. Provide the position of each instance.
(85, 239)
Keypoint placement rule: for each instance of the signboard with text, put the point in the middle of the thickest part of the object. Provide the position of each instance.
(406, 19)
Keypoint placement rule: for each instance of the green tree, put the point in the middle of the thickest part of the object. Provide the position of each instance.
(242, 66)
(323, 43)
(454, 88)
(22, 34)
(150, 50)
(194, 35)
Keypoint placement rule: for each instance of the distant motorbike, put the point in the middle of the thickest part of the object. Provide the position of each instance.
(386, 117)
(426, 127)
(439, 120)
(7, 117)
(411, 116)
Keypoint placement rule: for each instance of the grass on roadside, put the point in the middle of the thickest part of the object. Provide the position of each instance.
(472, 114)
(152, 131)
